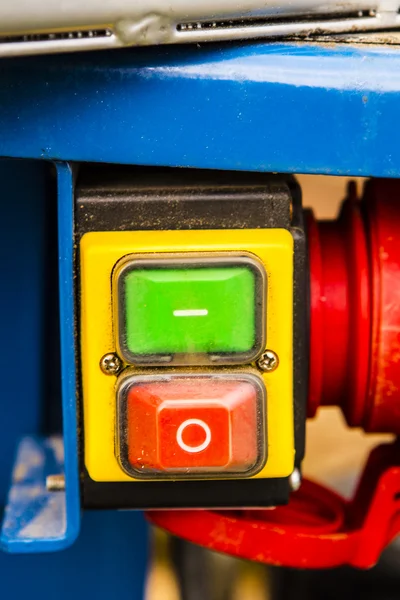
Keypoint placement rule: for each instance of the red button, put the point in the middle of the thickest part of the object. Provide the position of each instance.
(193, 424)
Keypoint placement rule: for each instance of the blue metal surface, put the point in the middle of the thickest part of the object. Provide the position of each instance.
(110, 557)
(65, 196)
(36, 520)
(22, 267)
(109, 560)
(280, 107)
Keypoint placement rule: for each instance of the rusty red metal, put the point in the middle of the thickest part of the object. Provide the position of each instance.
(382, 216)
(318, 529)
(355, 364)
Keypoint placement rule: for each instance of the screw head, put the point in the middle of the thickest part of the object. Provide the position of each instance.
(268, 361)
(111, 364)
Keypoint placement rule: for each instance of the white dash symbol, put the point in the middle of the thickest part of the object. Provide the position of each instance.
(202, 312)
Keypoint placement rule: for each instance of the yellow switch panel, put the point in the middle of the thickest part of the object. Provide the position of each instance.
(101, 257)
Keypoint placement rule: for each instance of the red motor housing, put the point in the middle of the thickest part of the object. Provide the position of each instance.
(355, 309)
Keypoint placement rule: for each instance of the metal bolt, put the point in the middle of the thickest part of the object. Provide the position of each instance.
(111, 364)
(268, 361)
(55, 483)
(295, 480)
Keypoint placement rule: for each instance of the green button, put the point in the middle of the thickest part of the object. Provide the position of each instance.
(190, 310)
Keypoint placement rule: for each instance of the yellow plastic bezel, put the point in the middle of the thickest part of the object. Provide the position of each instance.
(100, 252)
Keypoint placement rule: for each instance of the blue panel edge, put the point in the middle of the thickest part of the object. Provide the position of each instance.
(37, 520)
(287, 107)
(65, 195)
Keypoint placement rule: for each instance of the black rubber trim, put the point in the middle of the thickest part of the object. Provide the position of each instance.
(301, 325)
(250, 493)
(121, 198)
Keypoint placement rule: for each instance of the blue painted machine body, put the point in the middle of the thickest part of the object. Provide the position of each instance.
(293, 107)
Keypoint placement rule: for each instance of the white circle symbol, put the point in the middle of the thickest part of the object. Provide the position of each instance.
(182, 428)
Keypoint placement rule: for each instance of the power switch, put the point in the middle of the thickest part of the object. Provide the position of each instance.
(183, 425)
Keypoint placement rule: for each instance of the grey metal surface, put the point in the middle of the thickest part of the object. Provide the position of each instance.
(29, 27)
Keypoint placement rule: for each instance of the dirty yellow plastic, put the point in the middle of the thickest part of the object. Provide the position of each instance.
(99, 252)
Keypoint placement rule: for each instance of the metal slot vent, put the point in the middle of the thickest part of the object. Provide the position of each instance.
(265, 21)
(56, 36)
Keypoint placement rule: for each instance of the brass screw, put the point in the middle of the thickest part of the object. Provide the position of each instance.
(268, 361)
(55, 483)
(111, 364)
